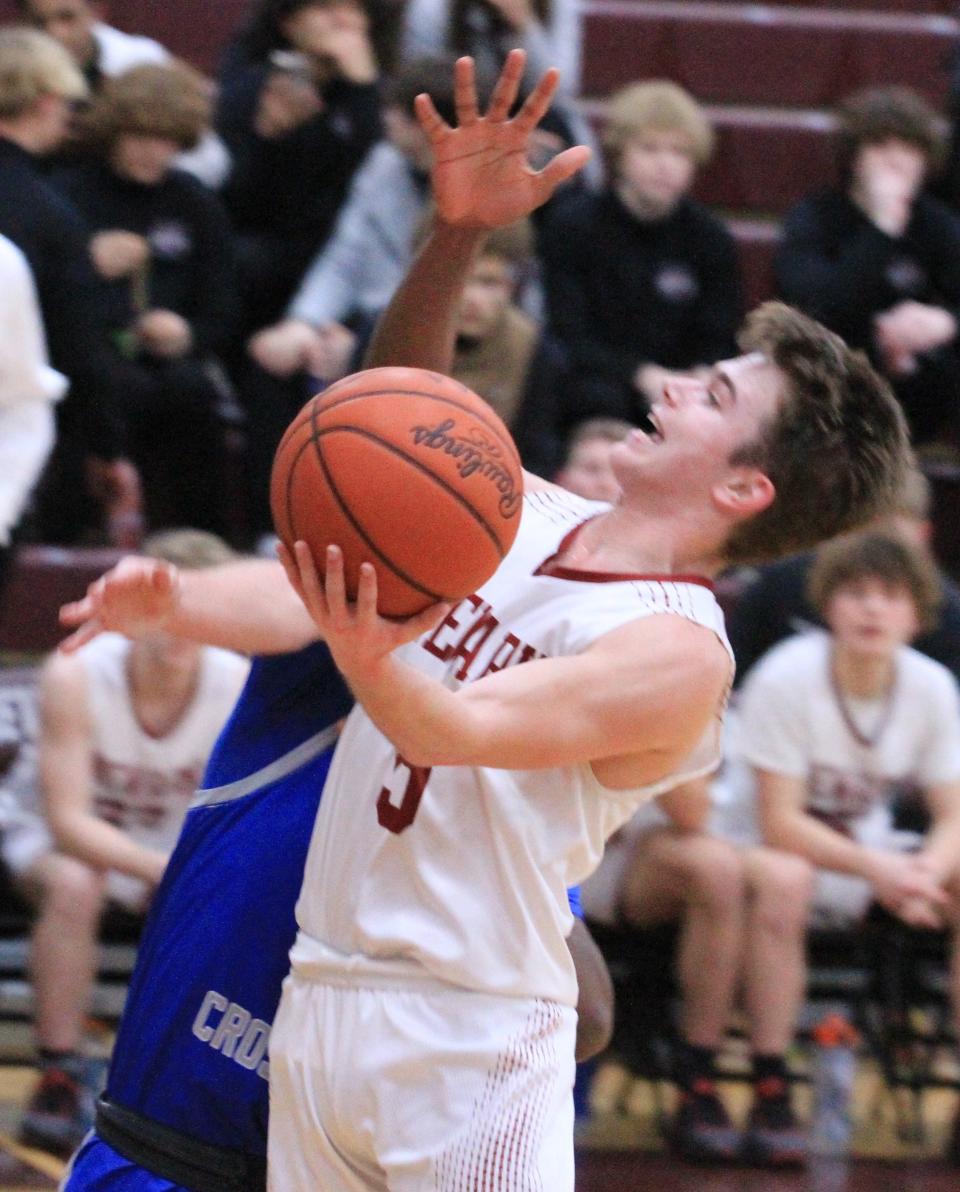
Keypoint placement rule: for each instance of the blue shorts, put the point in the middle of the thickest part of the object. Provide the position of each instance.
(97, 1167)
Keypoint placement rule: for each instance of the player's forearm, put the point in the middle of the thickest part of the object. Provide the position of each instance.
(247, 606)
(102, 846)
(418, 328)
(821, 845)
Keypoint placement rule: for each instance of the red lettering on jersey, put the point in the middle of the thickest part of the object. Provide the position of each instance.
(434, 643)
(469, 646)
(510, 652)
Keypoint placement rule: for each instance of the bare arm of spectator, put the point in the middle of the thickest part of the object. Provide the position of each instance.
(66, 773)
(941, 849)
(897, 879)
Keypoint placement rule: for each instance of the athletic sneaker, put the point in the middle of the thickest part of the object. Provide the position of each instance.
(772, 1137)
(702, 1131)
(59, 1113)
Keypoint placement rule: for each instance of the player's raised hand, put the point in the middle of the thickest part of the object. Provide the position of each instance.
(357, 635)
(136, 597)
(481, 177)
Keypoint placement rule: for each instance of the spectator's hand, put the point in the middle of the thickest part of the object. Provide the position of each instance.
(481, 177)
(885, 186)
(343, 42)
(909, 329)
(284, 348)
(137, 597)
(328, 358)
(286, 102)
(118, 254)
(164, 333)
(155, 865)
(906, 884)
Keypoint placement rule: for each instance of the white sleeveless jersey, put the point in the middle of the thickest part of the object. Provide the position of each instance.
(456, 874)
(141, 783)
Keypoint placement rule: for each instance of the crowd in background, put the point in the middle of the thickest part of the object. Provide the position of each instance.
(185, 260)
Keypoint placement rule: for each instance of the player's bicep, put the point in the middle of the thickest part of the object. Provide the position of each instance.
(650, 687)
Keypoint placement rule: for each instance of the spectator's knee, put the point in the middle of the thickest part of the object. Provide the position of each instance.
(72, 890)
(782, 886)
(716, 873)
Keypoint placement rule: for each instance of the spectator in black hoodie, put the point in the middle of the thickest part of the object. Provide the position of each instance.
(161, 242)
(878, 260)
(641, 279)
(38, 83)
(299, 109)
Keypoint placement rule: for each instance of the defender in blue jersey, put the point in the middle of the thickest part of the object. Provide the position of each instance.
(186, 1104)
(186, 1100)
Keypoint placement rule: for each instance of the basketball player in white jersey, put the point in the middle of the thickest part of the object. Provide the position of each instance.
(125, 729)
(425, 1037)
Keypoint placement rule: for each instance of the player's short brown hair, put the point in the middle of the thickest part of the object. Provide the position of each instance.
(872, 554)
(878, 114)
(837, 449)
(660, 106)
(168, 99)
(33, 65)
(192, 550)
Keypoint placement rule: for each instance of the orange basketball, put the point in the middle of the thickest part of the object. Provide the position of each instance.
(408, 470)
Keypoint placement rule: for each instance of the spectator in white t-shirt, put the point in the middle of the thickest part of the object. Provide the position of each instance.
(838, 725)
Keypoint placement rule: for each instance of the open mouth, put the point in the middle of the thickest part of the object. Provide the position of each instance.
(651, 428)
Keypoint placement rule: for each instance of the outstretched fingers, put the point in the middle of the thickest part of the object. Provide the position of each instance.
(507, 86)
(465, 92)
(537, 103)
(429, 119)
(559, 169)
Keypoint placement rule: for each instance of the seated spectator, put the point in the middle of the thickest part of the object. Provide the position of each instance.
(28, 389)
(88, 473)
(503, 355)
(641, 279)
(103, 52)
(125, 729)
(878, 260)
(775, 602)
(739, 912)
(837, 724)
(586, 469)
(162, 244)
(300, 109)
(351, 280)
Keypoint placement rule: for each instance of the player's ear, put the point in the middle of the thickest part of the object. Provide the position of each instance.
(744, 492)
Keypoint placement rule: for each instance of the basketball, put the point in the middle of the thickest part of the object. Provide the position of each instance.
(405, 469)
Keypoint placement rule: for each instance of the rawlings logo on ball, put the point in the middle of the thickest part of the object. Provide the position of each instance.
(474, 453)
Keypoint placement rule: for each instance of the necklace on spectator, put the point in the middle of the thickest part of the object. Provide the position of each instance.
(867, 740)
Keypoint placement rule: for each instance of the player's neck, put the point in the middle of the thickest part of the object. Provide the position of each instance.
(624, 540)
(862, 676)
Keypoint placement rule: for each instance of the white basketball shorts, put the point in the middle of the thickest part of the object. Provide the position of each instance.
(419, 1089)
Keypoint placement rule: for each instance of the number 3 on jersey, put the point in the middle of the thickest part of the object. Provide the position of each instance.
(396, 817)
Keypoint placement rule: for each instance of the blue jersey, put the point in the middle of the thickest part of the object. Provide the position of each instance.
(191, 1049)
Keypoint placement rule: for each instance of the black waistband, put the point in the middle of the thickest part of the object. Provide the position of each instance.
(177, 1157)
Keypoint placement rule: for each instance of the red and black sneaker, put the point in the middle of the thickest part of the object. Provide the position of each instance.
(57, 1115)
(701, 1131)
(773, 1137)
